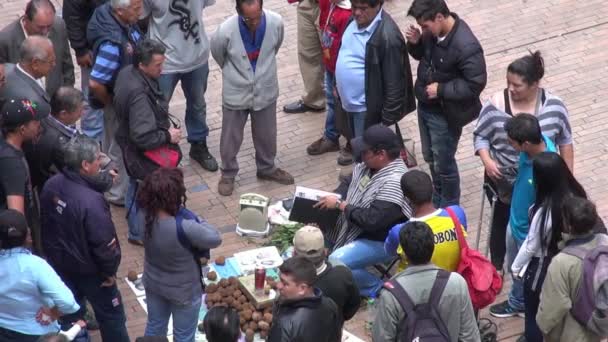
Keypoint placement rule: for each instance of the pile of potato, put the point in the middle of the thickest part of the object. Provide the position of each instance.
(227, 293)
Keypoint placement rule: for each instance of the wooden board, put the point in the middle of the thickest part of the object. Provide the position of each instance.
(259, 300)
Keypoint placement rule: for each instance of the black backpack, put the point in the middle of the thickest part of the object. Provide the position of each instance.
(421, 322)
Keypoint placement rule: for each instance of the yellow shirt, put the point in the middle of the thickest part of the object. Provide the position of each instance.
(447, 250)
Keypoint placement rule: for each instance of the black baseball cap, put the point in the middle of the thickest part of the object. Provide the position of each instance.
(376, 137)
(16, 112)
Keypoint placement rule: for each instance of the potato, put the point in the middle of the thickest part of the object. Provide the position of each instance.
(211, 288)
(264, 326)
(228, 300)
(237, 293)
(243, 299)
(233, 281)
(212, 275)
(247, 315)
(132, 275)
(236, 305)
(204, 261)
(268, 317)
(264, 334)
(242, 321)
(253, 326)
(256, 317)
(221, 260)
(223, 283)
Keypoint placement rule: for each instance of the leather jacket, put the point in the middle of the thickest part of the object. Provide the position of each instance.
(306, 319)
(389, 90)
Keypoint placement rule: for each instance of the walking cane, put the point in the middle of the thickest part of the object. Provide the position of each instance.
(493, 199)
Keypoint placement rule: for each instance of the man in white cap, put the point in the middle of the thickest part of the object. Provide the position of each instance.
(334, 281)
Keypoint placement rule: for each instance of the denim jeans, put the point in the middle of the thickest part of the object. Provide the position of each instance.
(185, 317)
(331, 132)
(135, 231)
(516, 295)
(91, 121)
(194, 85)
(357, 121)
(358, 255)
(439, 143)
(106, 302)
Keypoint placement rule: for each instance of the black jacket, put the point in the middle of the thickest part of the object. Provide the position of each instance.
(389, 88)
(143, 120)
(303, 320)
(78, 235)
(76, 14)
(45, 157)
(457, 63)
(337, 283)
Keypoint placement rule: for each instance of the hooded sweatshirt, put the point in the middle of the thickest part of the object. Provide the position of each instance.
(333, 19)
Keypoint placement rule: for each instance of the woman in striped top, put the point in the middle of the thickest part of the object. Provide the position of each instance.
(522, 95)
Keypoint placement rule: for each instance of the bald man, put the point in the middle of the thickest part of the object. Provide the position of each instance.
(40, 19)
(24, 80)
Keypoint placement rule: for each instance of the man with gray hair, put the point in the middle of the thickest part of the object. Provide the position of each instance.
(334, 281)
(40, 19)
(24, 79)
(79, 238)
(113, 35)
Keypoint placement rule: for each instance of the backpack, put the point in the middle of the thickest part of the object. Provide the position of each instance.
(422, 321)
(481, 276)
(590, 307)
(185, 214)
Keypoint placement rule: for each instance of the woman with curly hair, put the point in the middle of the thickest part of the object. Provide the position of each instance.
(172, 276)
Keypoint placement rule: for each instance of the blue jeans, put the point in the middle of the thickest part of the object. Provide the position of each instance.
(357, 121)
(439, 143)
(358, 255)
(106, 302)
(185, 317)
(135, 231)
(516, 295)
(194, 85)
(91, 121)
(331, 132)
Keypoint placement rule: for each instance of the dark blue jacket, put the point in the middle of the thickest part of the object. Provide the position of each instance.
(104, 27)
(78, 235)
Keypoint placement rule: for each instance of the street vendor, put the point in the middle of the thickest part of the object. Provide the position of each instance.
(373, 203)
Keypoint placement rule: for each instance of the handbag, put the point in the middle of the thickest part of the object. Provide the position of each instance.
(165, 156)
(407, 152)
(481, 276)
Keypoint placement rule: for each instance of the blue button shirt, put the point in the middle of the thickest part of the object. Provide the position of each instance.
(524, 194)
(27, 284)
(350, 68)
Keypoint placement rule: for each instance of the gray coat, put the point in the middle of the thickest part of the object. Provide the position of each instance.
(62, 74)
(242, 88)
(455, 308)
(169, 269)
(20, 86)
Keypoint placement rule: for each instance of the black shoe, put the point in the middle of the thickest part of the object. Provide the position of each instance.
(200, 153)
(299, 107)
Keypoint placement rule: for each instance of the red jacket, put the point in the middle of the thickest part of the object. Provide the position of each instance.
(331, 31)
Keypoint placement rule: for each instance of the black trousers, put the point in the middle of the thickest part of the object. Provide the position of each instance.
(533, 283)
(13, 336)
(498, 227)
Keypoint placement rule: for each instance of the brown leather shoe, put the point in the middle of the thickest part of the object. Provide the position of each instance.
(278, 175)
(345, 157)
(321, 146)
(226, 186)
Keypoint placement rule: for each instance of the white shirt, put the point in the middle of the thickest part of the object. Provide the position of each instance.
(531, 246)
(38, 81)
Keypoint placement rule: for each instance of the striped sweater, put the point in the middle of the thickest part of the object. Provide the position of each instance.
(490, 134)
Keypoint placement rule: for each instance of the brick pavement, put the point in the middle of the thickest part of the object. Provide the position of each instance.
(571, 34)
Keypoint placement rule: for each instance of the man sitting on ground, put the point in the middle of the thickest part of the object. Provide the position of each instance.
(372, 203)
(417, 186)
(334, 281)
(452, 303)
(302, 313)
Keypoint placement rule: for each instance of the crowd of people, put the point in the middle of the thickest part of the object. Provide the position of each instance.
(67, 154)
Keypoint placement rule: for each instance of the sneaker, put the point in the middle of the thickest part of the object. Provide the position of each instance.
(299, 107)
(278, 175)
(323, 145)
(200, 153)
(345, 157)
(504, 310)
(226, 186)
